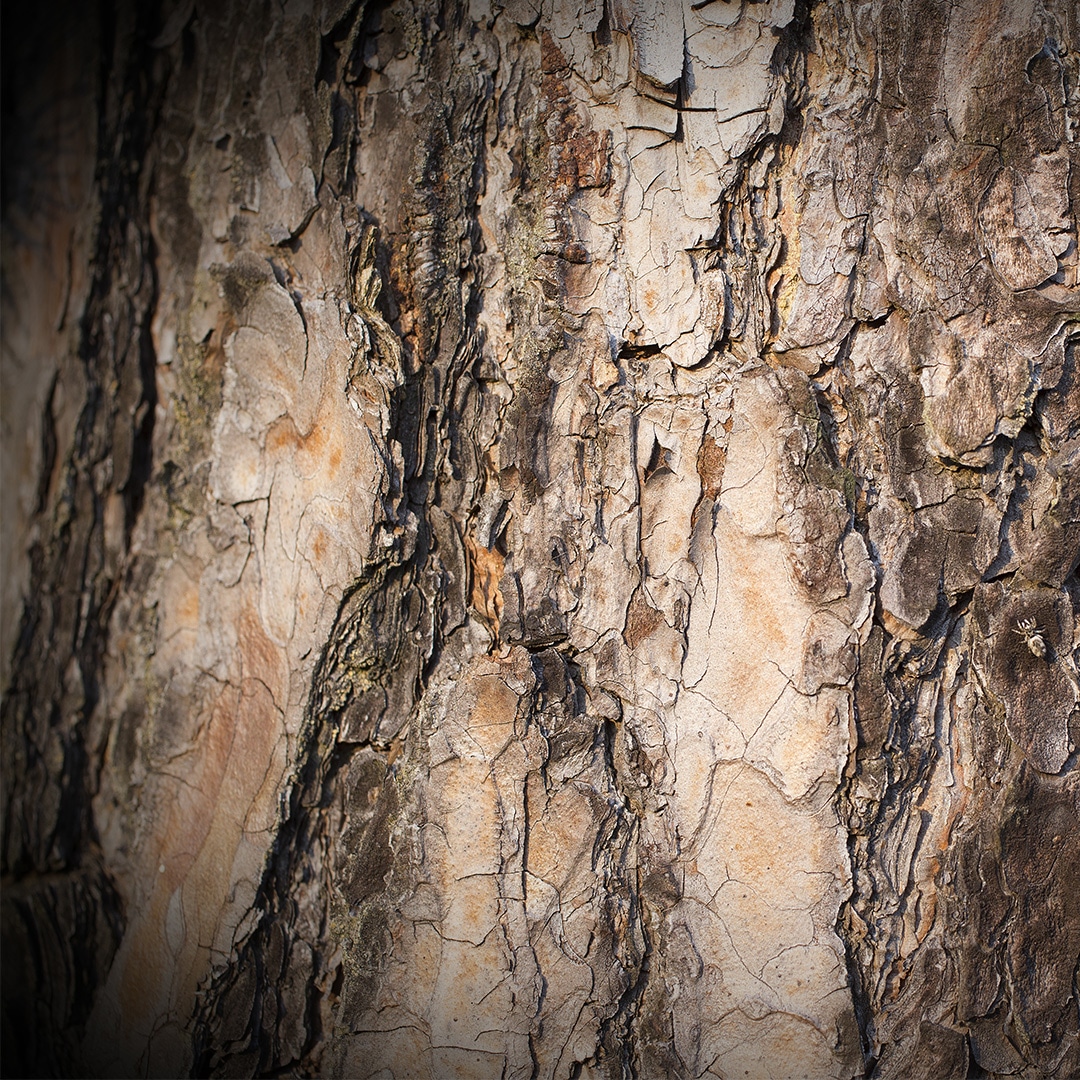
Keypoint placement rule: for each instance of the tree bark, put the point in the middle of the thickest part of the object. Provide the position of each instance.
(541, 539)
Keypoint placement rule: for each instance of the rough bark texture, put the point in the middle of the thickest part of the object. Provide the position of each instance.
(540, 539)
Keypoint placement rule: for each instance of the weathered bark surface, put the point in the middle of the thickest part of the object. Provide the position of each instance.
(520, 522)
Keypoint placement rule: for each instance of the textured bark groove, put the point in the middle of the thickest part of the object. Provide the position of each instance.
(546, 541)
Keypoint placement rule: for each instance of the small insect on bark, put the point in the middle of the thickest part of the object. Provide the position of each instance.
(1032, 636)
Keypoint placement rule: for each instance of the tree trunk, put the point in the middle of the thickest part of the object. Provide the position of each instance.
(541, 539)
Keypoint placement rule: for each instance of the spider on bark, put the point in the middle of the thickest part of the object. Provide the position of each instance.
(1033, 637)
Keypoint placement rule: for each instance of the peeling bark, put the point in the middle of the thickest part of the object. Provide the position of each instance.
(541, 540)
